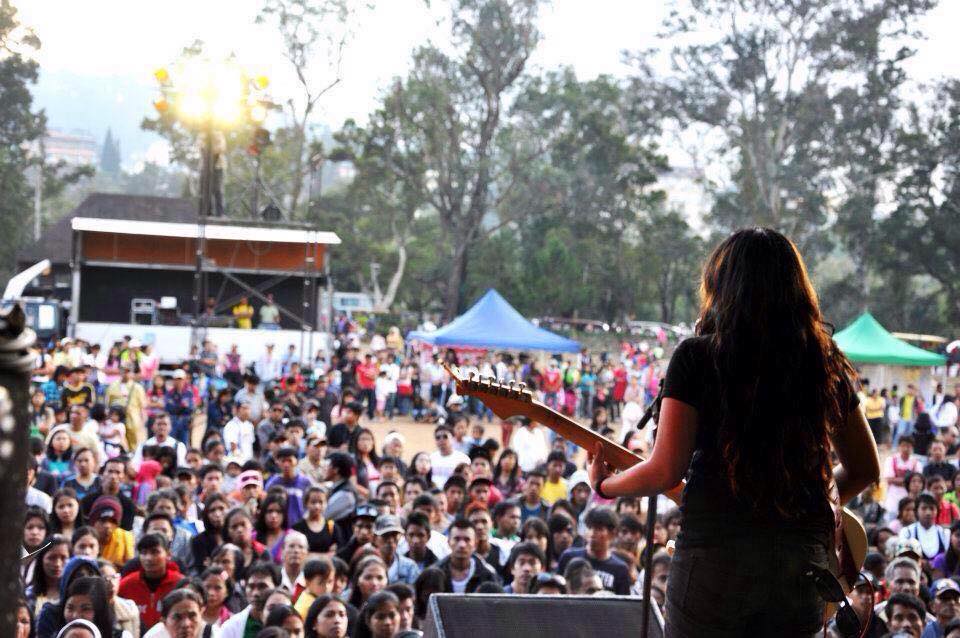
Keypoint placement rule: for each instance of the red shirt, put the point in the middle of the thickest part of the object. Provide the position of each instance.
(367, 375)
(134, 587)
(551, 380)
(948, 513)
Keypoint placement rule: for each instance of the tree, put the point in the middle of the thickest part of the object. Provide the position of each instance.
(110, 155)
(767, 84)
(449, 112)
(21, 132)
(924, 230)
(311, 30)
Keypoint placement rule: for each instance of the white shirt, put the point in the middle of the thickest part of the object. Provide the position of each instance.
(932, 540)
(531, 446)
(443, 466)
(946, 414)
(460, 586)
(240, 434)
(437, 543)
(268, 367)
(170, 442)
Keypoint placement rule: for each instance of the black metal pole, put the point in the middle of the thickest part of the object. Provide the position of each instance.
(16, 362)
(653, 411)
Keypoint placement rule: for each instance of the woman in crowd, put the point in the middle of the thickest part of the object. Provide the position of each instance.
(271, 524)
(50, 615)
(322, 535)
(58, 455)
(431, 581)
(420, 467)
(66, 513)
(217, 586)
(228, 558)
(24, 616)
(85, 542)
(85, 478)
(369, 577)
(126, 614)
(36, 527)
(380, 617)
(87, 598)
(239, 526)
(368, 461)
(287, 618)
(534, 530)
(506, 475)
(326, 618)
(51, 561)
(182, 614)
(213, 516)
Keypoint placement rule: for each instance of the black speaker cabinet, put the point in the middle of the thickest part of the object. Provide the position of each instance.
(499, 615)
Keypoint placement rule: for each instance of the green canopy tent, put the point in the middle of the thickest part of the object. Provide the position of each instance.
(866, 341)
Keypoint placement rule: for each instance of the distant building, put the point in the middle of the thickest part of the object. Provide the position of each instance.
(76, 148)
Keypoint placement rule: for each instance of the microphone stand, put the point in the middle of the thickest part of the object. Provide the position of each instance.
(653, 412)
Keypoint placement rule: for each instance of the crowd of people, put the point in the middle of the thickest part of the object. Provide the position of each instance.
(250, 498)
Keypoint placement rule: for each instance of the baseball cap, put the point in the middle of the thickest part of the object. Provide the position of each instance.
(179, 374)
(388, 523)
(944, 585)
(455, 399)
(908, 547)
(366, 511)
(250, 477)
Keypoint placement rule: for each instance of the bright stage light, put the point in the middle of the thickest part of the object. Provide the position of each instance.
(208, 90)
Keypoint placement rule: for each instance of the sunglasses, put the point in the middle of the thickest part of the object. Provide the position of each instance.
(829, 589)
(441, 436)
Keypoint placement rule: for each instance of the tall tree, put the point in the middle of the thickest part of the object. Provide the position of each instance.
(110, 154)
(449, 112)
(924, 230)
(766, 83)
(21, 132)
(315, 34)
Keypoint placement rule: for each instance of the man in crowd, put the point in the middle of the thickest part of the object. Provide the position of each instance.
(161, 438)
(127, 393)
(343, 436)
(111, 480)
(239, 435)
(946, 596)
(601, 525)
(532, 504)
(179, 404)
(292, 481)
(400, 569)
(154, 579)
(445, 459)
(262, 578)
(526, 562)
(463, 570)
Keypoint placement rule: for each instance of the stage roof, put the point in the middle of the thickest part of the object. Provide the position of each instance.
(211, 231)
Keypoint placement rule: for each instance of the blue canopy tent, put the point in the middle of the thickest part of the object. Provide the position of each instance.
(493, 323)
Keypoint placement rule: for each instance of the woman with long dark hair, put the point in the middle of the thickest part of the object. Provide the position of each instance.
(67, 515)
(751, 406)
(271, 525)
(506, 475)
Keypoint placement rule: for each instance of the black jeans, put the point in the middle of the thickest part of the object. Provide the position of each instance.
(751, 586)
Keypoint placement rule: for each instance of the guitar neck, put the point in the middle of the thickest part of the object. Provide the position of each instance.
(616, 455)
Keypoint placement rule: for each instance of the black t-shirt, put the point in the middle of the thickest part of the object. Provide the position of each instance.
(613, 572)
(319, 542)
(340, 434)
(709, 507)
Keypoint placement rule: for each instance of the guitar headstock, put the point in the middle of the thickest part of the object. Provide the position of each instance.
(505, 398)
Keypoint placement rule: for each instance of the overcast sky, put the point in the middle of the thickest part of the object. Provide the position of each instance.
(120, 42)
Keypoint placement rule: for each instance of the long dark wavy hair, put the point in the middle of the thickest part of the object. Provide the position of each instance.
(783, 383)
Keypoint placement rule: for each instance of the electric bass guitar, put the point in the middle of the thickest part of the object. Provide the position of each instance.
(512, 399)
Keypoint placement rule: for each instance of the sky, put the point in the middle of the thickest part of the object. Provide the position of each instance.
(98, 56)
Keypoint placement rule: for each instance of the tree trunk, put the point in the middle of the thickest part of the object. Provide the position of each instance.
(458, 269)
(383, 304)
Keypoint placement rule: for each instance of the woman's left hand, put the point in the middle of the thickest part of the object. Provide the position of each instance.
(599, 469)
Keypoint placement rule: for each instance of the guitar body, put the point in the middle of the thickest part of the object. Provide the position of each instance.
(510, 400)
